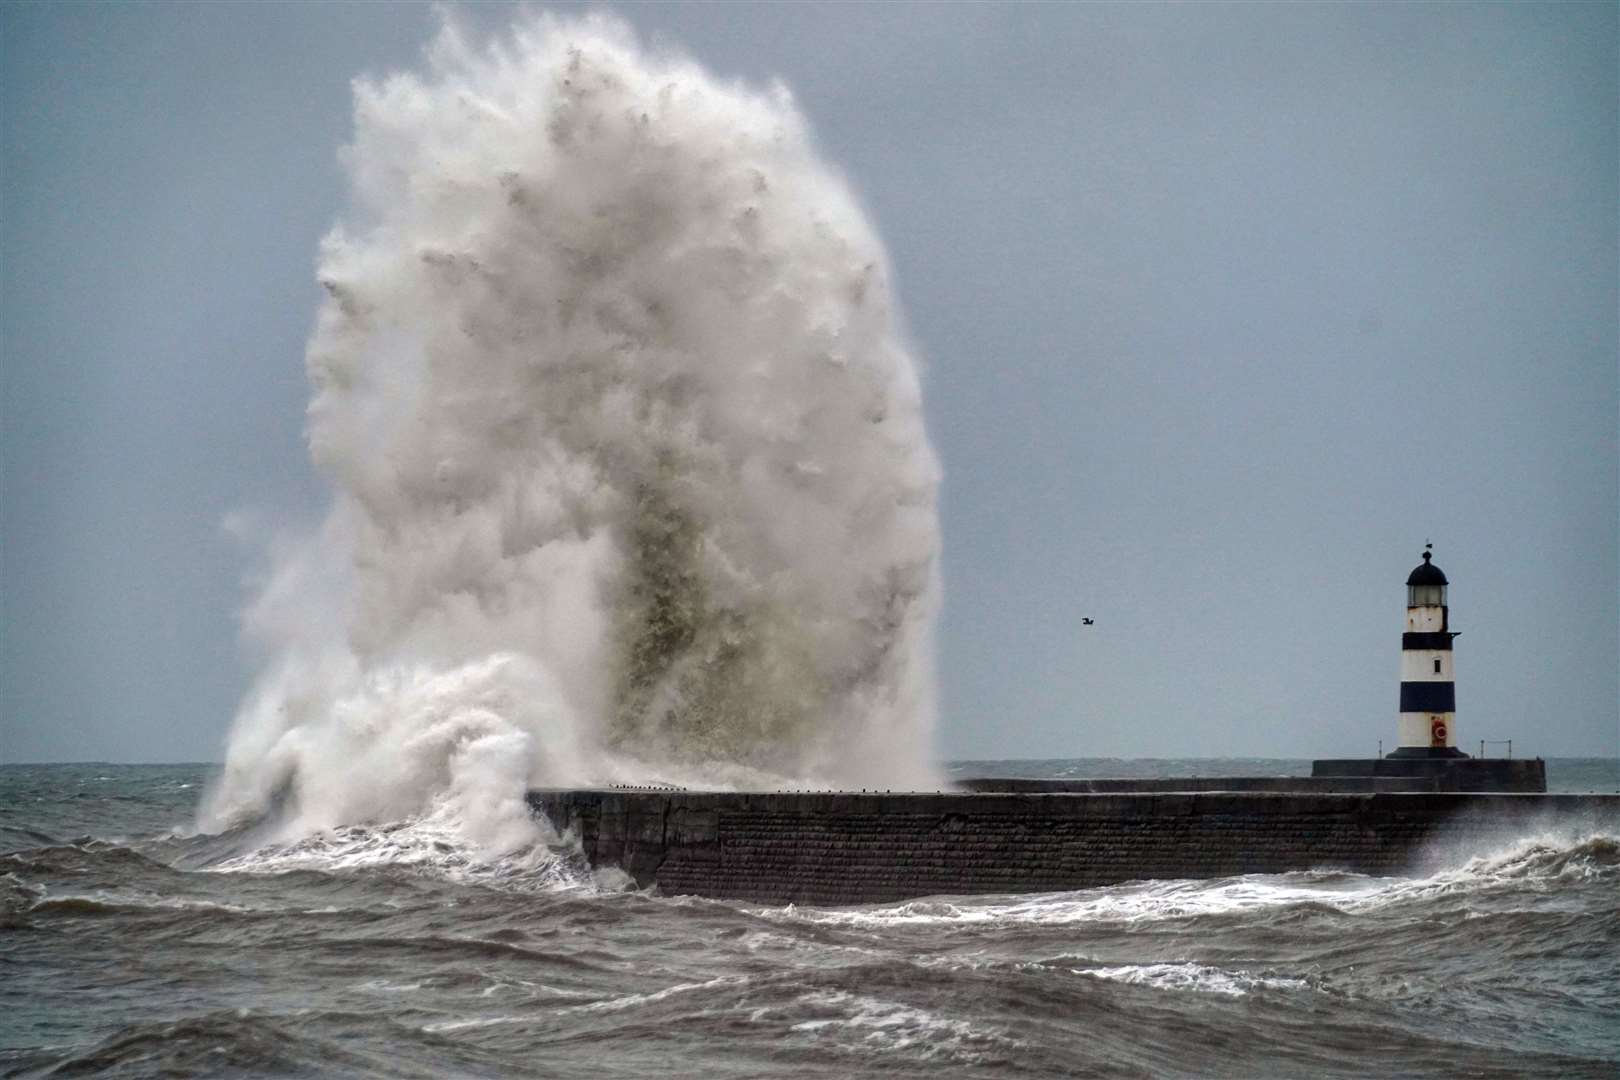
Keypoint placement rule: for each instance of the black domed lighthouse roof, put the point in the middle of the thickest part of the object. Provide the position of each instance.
(1427, 574)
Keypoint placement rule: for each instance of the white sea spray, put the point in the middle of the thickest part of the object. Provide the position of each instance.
(626, 440)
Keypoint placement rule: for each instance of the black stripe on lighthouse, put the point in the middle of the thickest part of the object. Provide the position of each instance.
(1429, 697)
(1430, 641)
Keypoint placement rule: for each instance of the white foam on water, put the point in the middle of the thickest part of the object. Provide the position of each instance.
(1194, 977)
(865, 1023)
(441, 1027)
(631, 1001)
(383, 986)
(1530, 865)
(763, 941)
(1527, 870)
(436, 846)
(1131, 902)
(626, 440)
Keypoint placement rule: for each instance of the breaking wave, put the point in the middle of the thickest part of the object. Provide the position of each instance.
(630, 475)
(1527, 870)
(1200, 978)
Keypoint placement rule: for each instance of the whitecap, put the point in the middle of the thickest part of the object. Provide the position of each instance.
(865, 1023)
(1195, 977)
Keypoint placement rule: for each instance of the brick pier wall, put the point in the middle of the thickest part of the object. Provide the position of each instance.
(846, 848)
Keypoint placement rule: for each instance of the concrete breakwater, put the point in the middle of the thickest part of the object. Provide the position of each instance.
(851, 848)
(1172, 784)
(1327, 775)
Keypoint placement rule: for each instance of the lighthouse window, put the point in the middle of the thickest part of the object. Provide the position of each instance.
(1437, 665)
(1425, 595)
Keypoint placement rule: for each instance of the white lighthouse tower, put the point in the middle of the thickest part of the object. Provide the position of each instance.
(1428, 722)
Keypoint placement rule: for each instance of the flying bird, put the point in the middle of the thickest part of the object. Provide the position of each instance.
(1087, 622)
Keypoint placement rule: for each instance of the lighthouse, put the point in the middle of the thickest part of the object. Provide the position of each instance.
(1428, 721)
(1426, 757)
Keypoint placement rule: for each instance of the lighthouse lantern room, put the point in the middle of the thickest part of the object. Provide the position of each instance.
(1428, 721)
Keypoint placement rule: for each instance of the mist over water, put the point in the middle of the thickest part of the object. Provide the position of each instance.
(630, 474)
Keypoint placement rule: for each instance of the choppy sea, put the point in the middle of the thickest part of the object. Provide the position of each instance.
(129, 946)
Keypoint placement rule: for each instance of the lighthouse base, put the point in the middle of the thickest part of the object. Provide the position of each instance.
(1459, 773)
(1405, 752)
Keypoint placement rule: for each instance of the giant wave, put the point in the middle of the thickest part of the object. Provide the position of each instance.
(627, 448)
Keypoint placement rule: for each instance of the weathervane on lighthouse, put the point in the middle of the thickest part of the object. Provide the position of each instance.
(1428, 721)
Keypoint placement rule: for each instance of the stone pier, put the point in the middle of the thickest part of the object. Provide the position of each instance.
(851, 848)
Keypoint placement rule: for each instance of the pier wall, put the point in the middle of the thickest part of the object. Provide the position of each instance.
(845, 848)
(1445, 774)
(1203, 783)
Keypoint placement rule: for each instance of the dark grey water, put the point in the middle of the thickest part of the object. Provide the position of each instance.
(128, 948)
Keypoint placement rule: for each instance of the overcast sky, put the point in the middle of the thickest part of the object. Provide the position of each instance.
(1225, 311)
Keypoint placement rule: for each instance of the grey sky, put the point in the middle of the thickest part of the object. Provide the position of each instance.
(1226, 310)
